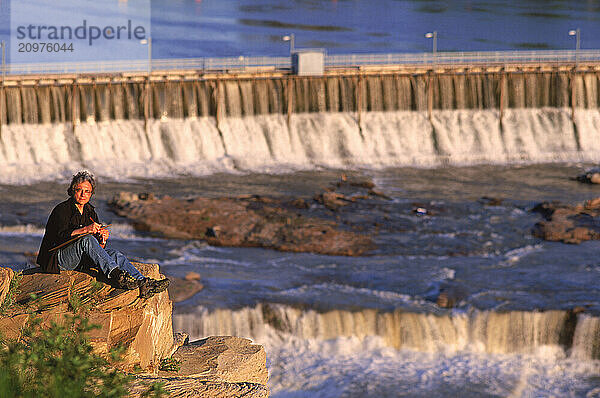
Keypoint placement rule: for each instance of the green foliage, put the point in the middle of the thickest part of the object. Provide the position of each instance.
(75, 303)
(58, 362)
(13, 292)
(155, 390)
(170, 365)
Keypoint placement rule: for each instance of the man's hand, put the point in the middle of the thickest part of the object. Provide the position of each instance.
(104, 234)
(93, 228)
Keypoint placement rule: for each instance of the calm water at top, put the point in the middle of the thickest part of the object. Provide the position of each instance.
(216, 28)
(220, 28)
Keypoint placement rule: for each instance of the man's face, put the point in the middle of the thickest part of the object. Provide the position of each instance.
(83, 193)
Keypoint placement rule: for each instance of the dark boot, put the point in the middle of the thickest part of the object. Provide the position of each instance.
(149, 287)
(123, 279)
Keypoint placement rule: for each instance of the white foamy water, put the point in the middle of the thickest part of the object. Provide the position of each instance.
(340, 354)
(265, 143)
(484, 332)
(351, 367)
(117, 231)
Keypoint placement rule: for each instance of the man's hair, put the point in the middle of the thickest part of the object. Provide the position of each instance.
(80, 177)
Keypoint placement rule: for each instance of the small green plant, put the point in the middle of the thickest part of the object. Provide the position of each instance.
(58, 361)
(155, 390)
(13, 291)
(170, 364)
(75, 302)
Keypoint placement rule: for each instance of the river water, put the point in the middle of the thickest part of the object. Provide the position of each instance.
(369, 326)
(217, 28)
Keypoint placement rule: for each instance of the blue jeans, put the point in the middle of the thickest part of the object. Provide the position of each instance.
(106, 259)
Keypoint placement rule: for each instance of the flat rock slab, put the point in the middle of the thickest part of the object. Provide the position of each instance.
(181, 289)
(191, 387)
(250, 221)
(569, 224)
(222, 358)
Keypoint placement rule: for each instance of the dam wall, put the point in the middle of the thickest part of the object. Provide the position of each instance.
(60, 100)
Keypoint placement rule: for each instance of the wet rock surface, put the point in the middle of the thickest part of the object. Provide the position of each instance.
(589, 177)
(288, 224)
(181, 289)
(567, 223)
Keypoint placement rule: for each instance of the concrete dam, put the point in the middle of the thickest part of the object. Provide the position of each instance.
(189, 122)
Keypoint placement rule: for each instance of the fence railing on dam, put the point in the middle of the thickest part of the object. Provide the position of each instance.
(550, 57)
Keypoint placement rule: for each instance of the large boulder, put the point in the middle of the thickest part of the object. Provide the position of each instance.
(222, 366)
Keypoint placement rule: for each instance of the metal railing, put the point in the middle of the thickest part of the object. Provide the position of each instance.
(465, 58)
(331, 61)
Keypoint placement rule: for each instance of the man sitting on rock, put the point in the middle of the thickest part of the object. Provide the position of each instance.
(77, 217)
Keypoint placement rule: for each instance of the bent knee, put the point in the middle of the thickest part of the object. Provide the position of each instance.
(89, 240)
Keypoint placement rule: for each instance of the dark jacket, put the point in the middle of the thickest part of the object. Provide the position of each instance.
(64, 219)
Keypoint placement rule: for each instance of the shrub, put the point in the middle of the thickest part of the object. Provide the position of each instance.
(59, 362)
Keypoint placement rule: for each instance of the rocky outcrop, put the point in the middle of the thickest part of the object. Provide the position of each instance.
(213, 367)
(252, 220)
(142, 326)
(569, 224)
(234, 365)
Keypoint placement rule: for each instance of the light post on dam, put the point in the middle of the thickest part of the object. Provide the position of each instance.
(149, 43)
(289, 38)
(576, 33)
(433, 35)
(147, 93)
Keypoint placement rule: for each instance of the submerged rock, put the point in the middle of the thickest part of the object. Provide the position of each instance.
(569, 224)
(181, 289)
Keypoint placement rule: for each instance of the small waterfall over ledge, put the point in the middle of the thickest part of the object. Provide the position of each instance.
(510, 332)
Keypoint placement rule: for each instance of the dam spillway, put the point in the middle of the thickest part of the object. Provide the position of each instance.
(32, 100)
(184, 121)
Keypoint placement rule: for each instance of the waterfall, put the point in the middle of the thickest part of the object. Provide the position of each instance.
(268, 143)
(510, 332)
